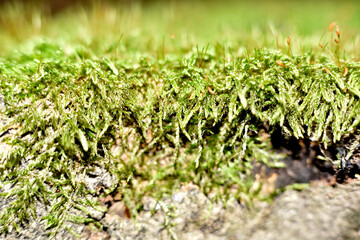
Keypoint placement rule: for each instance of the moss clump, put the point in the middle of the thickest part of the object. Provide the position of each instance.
(155, 124)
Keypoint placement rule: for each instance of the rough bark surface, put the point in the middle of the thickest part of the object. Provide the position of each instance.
(321, 212)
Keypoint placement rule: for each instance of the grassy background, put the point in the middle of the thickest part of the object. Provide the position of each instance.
(147, 26)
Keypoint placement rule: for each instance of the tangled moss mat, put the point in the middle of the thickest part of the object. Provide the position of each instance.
(155, 123)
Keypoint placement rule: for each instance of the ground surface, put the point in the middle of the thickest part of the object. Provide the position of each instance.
(319, 212)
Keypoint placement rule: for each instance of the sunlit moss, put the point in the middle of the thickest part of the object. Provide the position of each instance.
(158, 106)
(195, 119)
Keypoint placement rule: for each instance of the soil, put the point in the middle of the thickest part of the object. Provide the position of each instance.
(319, 212)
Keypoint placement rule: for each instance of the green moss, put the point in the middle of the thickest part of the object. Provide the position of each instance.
(157, 112)
(194, 119)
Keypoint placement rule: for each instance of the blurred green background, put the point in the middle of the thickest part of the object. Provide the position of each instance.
(143, 25)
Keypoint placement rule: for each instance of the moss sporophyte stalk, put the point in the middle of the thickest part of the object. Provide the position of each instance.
(154, 124)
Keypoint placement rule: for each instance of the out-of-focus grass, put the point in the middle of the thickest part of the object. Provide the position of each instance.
(149, 27)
